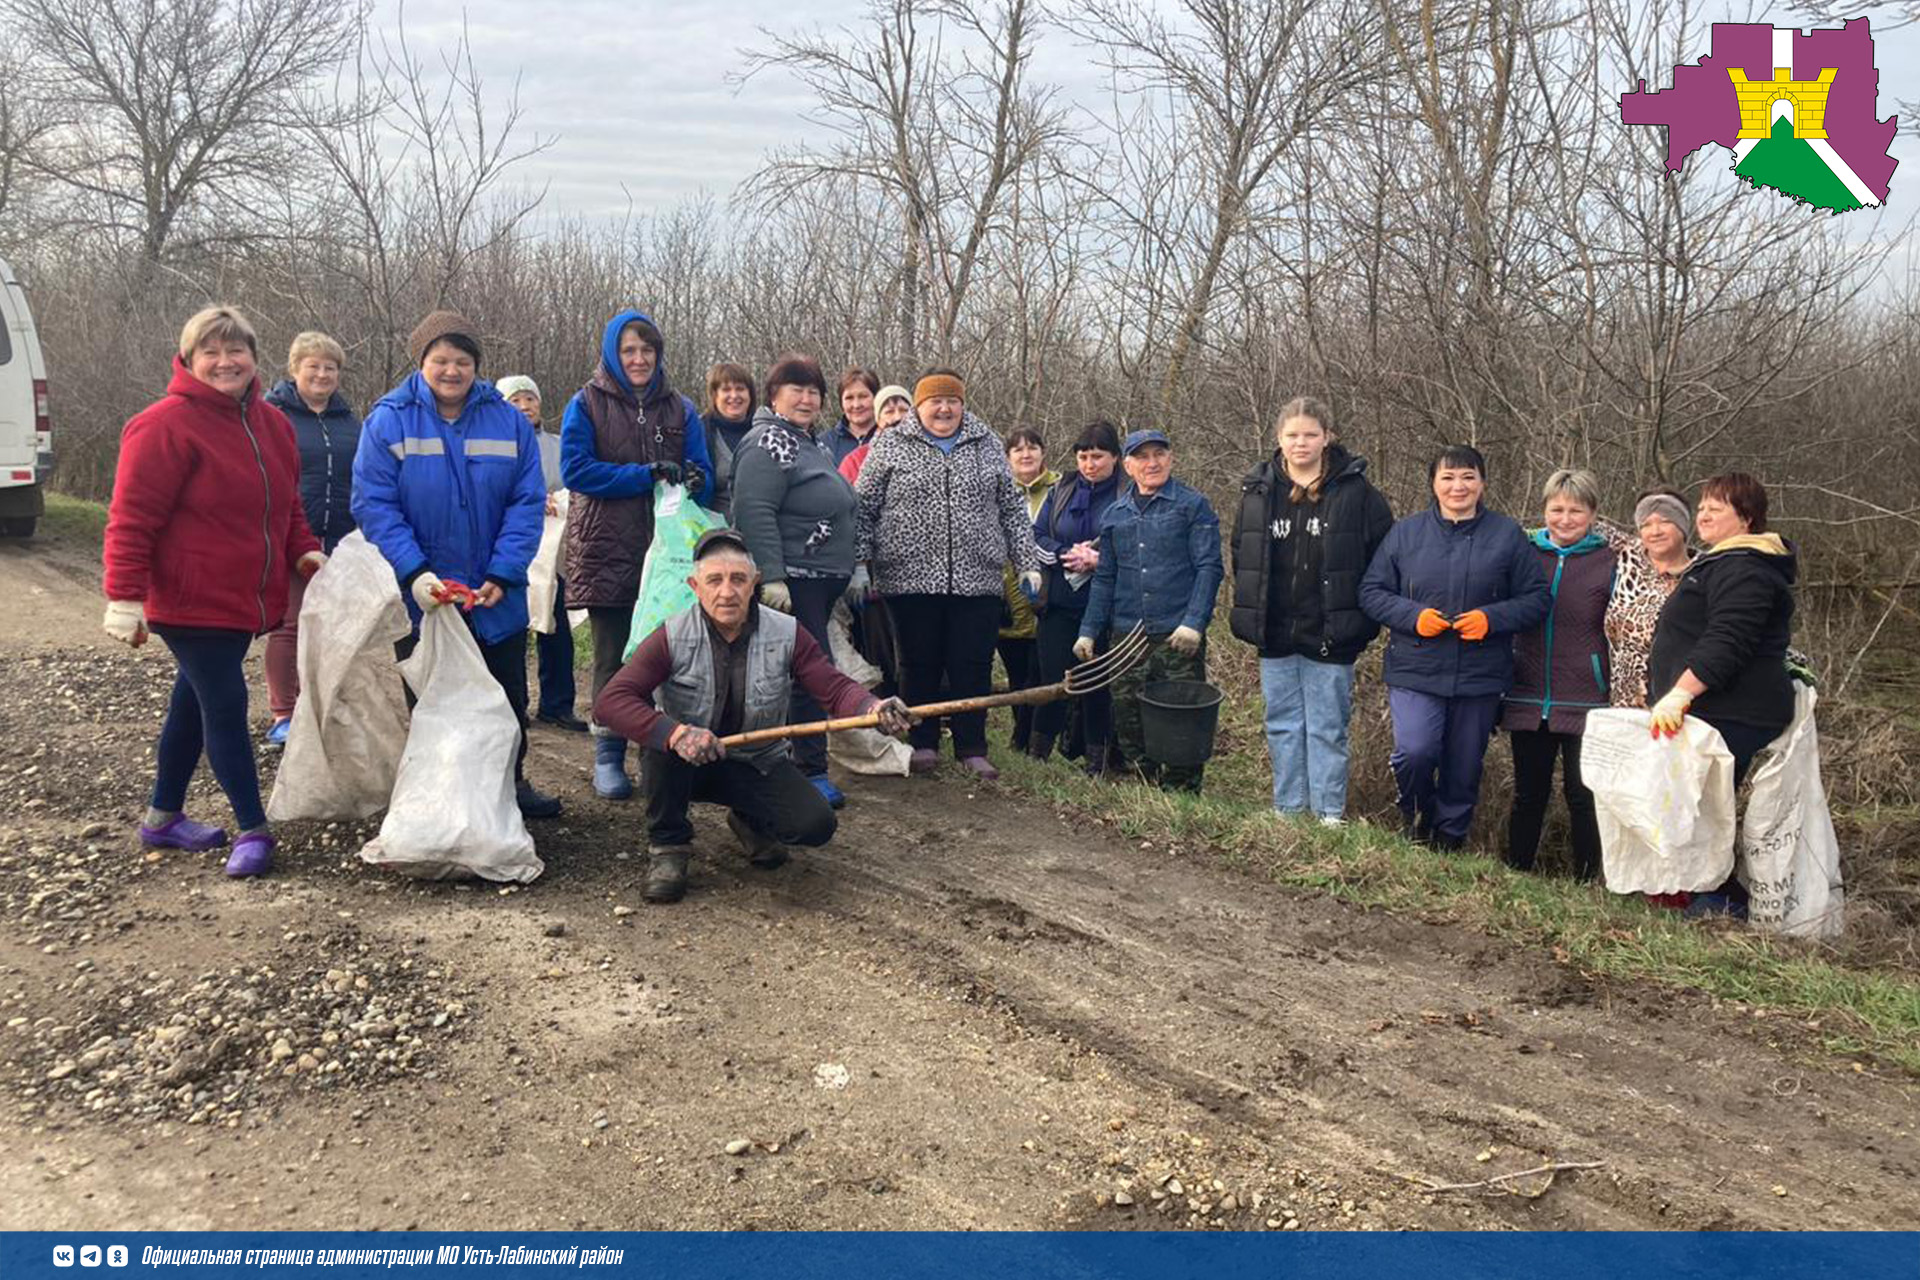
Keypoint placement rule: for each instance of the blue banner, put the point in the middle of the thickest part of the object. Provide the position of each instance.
(100, 1255)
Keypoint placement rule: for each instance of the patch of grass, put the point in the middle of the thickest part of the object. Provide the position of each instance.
(73, 518)
(1855, 1011)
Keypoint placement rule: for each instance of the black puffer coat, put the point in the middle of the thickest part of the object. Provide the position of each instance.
(1728, 622)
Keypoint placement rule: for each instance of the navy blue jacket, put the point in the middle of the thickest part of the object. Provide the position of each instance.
(327, 443)
(463, 499)
(1429, 561)
(1159, 563)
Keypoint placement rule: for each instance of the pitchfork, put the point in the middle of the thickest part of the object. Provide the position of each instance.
(1089, 677)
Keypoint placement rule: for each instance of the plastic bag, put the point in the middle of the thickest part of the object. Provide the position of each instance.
(543, 575)
(1665, 806)
(678, 522)
(350, 723)
(453, 811)
(1789, 855)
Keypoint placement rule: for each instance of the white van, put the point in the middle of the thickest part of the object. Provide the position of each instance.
(26, 433)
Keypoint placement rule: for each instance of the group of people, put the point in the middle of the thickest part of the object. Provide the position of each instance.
(945, 544)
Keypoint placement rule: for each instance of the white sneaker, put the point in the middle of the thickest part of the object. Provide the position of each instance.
(1332, 820)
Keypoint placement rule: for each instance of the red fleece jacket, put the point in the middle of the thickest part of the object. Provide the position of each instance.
(206, 522)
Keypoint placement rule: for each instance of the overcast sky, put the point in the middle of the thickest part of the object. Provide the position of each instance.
(637, 97)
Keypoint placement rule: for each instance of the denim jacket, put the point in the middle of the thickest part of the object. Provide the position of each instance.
(1159, 563)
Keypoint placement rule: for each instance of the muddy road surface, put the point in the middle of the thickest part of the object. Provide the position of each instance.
(968, 1012)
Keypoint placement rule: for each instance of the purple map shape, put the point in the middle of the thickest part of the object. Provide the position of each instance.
(1702, 107)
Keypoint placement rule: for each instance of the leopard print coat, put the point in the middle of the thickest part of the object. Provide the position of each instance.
(1640, 591)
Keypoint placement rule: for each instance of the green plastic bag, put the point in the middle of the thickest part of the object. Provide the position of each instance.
(678, 522)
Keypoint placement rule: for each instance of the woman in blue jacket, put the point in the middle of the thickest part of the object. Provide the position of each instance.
(1453, 584)
(447, 483)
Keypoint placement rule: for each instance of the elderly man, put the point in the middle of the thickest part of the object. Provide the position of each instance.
(727, 666)
(1159, 564)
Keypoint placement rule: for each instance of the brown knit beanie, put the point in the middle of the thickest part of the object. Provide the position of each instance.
(438, 325)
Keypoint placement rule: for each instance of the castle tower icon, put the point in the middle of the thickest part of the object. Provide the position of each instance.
(1807, 97)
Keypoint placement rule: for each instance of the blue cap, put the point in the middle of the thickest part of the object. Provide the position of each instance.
(1138, 440)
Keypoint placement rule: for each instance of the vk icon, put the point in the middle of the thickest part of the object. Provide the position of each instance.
(63, 1255)
(116, 1255)
(89, 1255)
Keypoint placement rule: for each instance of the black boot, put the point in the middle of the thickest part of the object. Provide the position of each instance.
(1040, 746)
(534, 803)
(666, 875)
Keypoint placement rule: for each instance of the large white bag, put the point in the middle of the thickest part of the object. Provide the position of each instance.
(350, 723)
(543, 575)
(453, 812)
(1789, 855)
(864, 751)
(1665, 806)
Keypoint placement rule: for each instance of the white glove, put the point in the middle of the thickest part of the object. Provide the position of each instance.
(126, 621)
(1670, 713)
(775, 595)
(1083, 648)
(1184, 640)
(1032, 578)
(424, 588)
(312, 563)
(858, 586)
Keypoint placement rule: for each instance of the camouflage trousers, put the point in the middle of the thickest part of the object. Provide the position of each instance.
(1163, 662)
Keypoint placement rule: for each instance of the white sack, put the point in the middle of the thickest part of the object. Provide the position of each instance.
(1789, 855)
(865, 751)
(843, 652)
(453, 811)
(1665, 806)
(543, 575)
(350, 723)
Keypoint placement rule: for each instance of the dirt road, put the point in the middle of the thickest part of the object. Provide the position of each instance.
(968, 1012)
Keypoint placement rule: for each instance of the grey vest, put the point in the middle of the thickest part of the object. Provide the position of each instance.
(689, 695)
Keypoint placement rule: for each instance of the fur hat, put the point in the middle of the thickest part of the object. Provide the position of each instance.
(438, 325)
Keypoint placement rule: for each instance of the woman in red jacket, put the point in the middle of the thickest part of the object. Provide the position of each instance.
(204, 529)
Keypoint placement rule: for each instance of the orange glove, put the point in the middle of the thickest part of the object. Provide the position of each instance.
(1473, 626)
(1432, 623)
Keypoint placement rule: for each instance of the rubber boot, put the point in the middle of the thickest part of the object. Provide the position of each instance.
(610, 768)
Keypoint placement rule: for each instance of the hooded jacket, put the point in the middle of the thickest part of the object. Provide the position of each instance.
(463, 500)
(1429, 561)
(794, 507)
(1562, 667)
(941, 522)
(610, 437)
(1728, 622)
(327, 443)
(205, 522)
(1353, 521)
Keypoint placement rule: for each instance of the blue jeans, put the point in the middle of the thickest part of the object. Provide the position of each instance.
(1308, 705)
(208, 713)
(556, 660)
(1439, 746)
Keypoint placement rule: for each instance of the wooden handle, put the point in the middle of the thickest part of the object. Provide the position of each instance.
(932, 710)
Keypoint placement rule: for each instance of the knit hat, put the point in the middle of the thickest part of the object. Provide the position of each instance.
(796, 371)
(890, 392)
(938, 384)
(514, 383)
(438, 325)
(1667, 507)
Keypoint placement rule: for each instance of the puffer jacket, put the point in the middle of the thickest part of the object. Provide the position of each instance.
(610, 437)
(1159, 563)
(1429, 561)
(327, 443)
(1354, 521)
(937, 522)
(463, 500)
(205, 522)
(1729, 622)
(1561, 667)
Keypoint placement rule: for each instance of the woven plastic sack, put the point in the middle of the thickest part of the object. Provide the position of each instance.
(1665, 805)
(454, 812)
(678, 522)
(543, 575)
(1789, 855)
(350, 723)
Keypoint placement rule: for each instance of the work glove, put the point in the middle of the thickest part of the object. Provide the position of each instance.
(1083, 648)
(1473, 626)
(312, 563)
(1431, 623)
(696, 481)
(1030, 584)
(857, 587)
(427, 592)
(666, 473)
(696, 745)
(1670, 713)
(1184, 640)
(775, 595)
(126, 621)
(894, 715)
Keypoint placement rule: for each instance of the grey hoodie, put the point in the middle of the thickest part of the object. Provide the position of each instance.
(790, 501)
